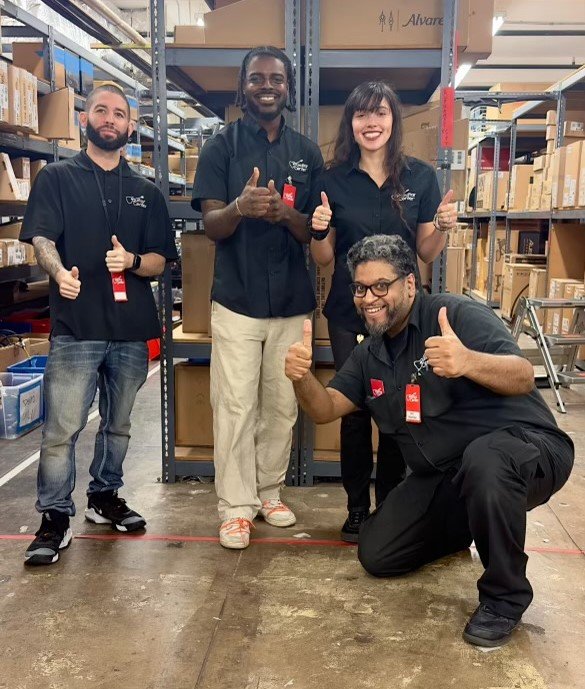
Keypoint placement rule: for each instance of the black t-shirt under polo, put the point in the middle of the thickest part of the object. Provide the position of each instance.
(65, 206)
(360, 209)
(455, 411)
(260, 270)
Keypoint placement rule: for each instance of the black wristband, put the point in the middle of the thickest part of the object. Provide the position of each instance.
(318, 235)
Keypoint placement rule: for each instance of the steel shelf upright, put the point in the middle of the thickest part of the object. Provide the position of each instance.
(440, 65)
(168, 61)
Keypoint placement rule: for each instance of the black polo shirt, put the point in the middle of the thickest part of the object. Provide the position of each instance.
(361, 208)
(455, 411)
(260, 270)
(65, 206)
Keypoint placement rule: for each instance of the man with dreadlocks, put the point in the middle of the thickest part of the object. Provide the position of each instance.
(253, 186)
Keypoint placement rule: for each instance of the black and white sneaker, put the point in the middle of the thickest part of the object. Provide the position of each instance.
(54, 535)
(107, 508)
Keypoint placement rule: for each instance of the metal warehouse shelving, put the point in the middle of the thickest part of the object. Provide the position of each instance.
(437, 68)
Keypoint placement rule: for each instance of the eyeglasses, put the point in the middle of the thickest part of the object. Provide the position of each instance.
(378, 289)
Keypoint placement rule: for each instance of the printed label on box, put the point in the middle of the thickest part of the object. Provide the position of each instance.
(30, 406)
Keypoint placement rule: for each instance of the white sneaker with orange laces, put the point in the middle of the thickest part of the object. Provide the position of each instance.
(235, 533)
(276, 513)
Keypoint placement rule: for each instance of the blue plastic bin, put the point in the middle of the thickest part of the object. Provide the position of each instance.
(35, 364)
(21, 403)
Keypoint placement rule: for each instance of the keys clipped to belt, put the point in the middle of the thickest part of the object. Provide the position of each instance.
(412, 394)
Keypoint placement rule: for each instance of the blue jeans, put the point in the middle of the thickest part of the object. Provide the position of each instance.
(73, 370)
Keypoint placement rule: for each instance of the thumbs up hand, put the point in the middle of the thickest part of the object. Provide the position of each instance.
(69, 283)
(118, 259)
(300, 354)
(446, 216)
(322, 215)
(447, 355)
(254, 201)
(277, 209)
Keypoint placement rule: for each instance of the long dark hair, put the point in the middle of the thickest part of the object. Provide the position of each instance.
(367, 97)
(267, 51)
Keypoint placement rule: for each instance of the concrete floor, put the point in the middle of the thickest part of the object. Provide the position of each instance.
(173, 610)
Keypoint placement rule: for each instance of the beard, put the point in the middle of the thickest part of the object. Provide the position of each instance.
(379, 328)
(98, 140)
(264, 115)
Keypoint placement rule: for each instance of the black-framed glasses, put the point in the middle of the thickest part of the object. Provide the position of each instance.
(378, 289)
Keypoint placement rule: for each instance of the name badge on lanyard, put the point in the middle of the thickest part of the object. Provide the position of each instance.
(118, 279)
(289, 193)
(412, 396)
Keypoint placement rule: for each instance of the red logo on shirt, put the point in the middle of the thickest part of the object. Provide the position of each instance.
(377, 387)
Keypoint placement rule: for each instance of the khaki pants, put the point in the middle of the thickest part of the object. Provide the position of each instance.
(254, 408)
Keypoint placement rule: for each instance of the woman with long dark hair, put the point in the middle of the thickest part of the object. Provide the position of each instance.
(370, 187)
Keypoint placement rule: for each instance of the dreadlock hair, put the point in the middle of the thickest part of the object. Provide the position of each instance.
(267, 51)
(367, 97)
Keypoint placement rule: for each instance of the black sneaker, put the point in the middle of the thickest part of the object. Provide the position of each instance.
(487, 628)
(350, 531)
(54, 535)
(107, 508)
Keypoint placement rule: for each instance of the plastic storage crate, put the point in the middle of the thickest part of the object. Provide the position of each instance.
(21, 403)
(35, 364)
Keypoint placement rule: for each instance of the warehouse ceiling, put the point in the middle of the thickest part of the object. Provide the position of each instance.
(539, 41)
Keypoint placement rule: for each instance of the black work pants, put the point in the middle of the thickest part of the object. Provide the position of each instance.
(501, 476)
(356, 455)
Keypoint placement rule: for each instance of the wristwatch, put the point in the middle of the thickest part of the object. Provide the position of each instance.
(136, 263)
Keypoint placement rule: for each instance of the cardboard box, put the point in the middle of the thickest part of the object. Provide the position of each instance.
(554, 316)
(4, 107)
(410, 24)
(550, 147)
(558, 176)
(10, 189)
(551, 117)
(572, 173)
(540, 162)
(133, 107)
(485, 190)
(72, 71)
(551, 132)
(521, 177)
(455, 269)
(21, 167)
(85, 76)
(537, 289)
(581, 183)
(570, 292)
(515, 285)
(193, 414)
(35, 167)
(197, 258)
(14, 96)
(175, 163)
(20, 350)
(32, 56)
(57, 115)
(574, 129)
(323, 278)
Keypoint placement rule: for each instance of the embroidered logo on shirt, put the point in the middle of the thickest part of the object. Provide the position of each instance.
(406, 196)
(138, 201)
(377, 387)
(299, 165)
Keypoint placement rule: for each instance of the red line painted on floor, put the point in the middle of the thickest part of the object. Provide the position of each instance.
(259, 541)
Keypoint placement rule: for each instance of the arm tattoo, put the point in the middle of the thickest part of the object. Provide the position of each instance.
(47, 255)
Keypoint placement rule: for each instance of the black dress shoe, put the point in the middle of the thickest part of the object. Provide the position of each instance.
(350, 531)
(487, 628)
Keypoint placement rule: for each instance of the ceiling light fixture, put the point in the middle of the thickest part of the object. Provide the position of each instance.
(461, 73)
(497, 24)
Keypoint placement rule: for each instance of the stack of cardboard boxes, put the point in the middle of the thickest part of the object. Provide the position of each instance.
(13, 252)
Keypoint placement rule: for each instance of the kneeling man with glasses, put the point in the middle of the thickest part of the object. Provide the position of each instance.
(444, 376)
